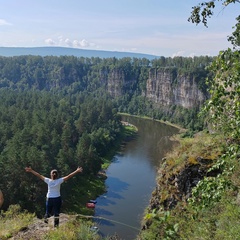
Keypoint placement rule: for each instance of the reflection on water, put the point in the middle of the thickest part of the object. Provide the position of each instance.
(132, 178)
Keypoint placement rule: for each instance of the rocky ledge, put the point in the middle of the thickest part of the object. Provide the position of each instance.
(177, 187)
(39, 228)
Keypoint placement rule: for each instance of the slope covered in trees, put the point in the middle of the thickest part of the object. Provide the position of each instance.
(47, 131)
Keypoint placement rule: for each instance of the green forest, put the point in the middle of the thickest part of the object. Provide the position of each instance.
(46, 130)
(71, 75)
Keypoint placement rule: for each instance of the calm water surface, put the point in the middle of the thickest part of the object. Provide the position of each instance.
(132, 178)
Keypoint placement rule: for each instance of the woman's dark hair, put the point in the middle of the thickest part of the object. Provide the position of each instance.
(54, 174)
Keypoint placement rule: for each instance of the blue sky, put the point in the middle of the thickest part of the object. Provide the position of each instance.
(158, 27)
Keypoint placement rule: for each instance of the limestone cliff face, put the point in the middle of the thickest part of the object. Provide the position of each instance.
(165, 86)
(116, 82)
(168, 87)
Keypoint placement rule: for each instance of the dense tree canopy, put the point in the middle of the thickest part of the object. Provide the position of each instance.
(72, 75)
(47, 131)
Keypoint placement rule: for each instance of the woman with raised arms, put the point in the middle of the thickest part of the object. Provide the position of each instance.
(54, 201)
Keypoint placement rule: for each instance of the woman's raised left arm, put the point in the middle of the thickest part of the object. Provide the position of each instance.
(79, 170)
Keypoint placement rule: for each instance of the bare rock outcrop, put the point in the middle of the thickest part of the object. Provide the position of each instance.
(166, 87)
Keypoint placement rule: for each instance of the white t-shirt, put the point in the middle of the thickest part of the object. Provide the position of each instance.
(53, 187)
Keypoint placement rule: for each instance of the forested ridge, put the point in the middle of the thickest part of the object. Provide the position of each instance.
(50, 72)
(123, 79)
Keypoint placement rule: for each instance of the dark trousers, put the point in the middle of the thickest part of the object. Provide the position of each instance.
(53, 206)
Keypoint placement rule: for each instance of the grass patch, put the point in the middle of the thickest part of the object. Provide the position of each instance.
(74, 230)
(215, 223)
(188, 150)
(13, 220)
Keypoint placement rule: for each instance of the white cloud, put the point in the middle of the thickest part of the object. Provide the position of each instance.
(61, 41)
(49, 41)
(4, 22)
(68, 42)
(82, 43)
(75, 43)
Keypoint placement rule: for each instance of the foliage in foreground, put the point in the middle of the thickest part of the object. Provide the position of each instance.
(13, 220)
(75, 230)
(212, 211)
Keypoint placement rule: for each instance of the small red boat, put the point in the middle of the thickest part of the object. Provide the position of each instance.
(90, 205)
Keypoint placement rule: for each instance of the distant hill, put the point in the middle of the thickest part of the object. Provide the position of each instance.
(63, 51)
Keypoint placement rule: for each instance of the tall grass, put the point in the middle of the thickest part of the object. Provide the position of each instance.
(14, 220)
(75, 230)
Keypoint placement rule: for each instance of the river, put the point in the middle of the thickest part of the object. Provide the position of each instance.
(131, 178)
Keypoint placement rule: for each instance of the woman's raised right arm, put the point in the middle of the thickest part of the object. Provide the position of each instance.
(29, 169)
